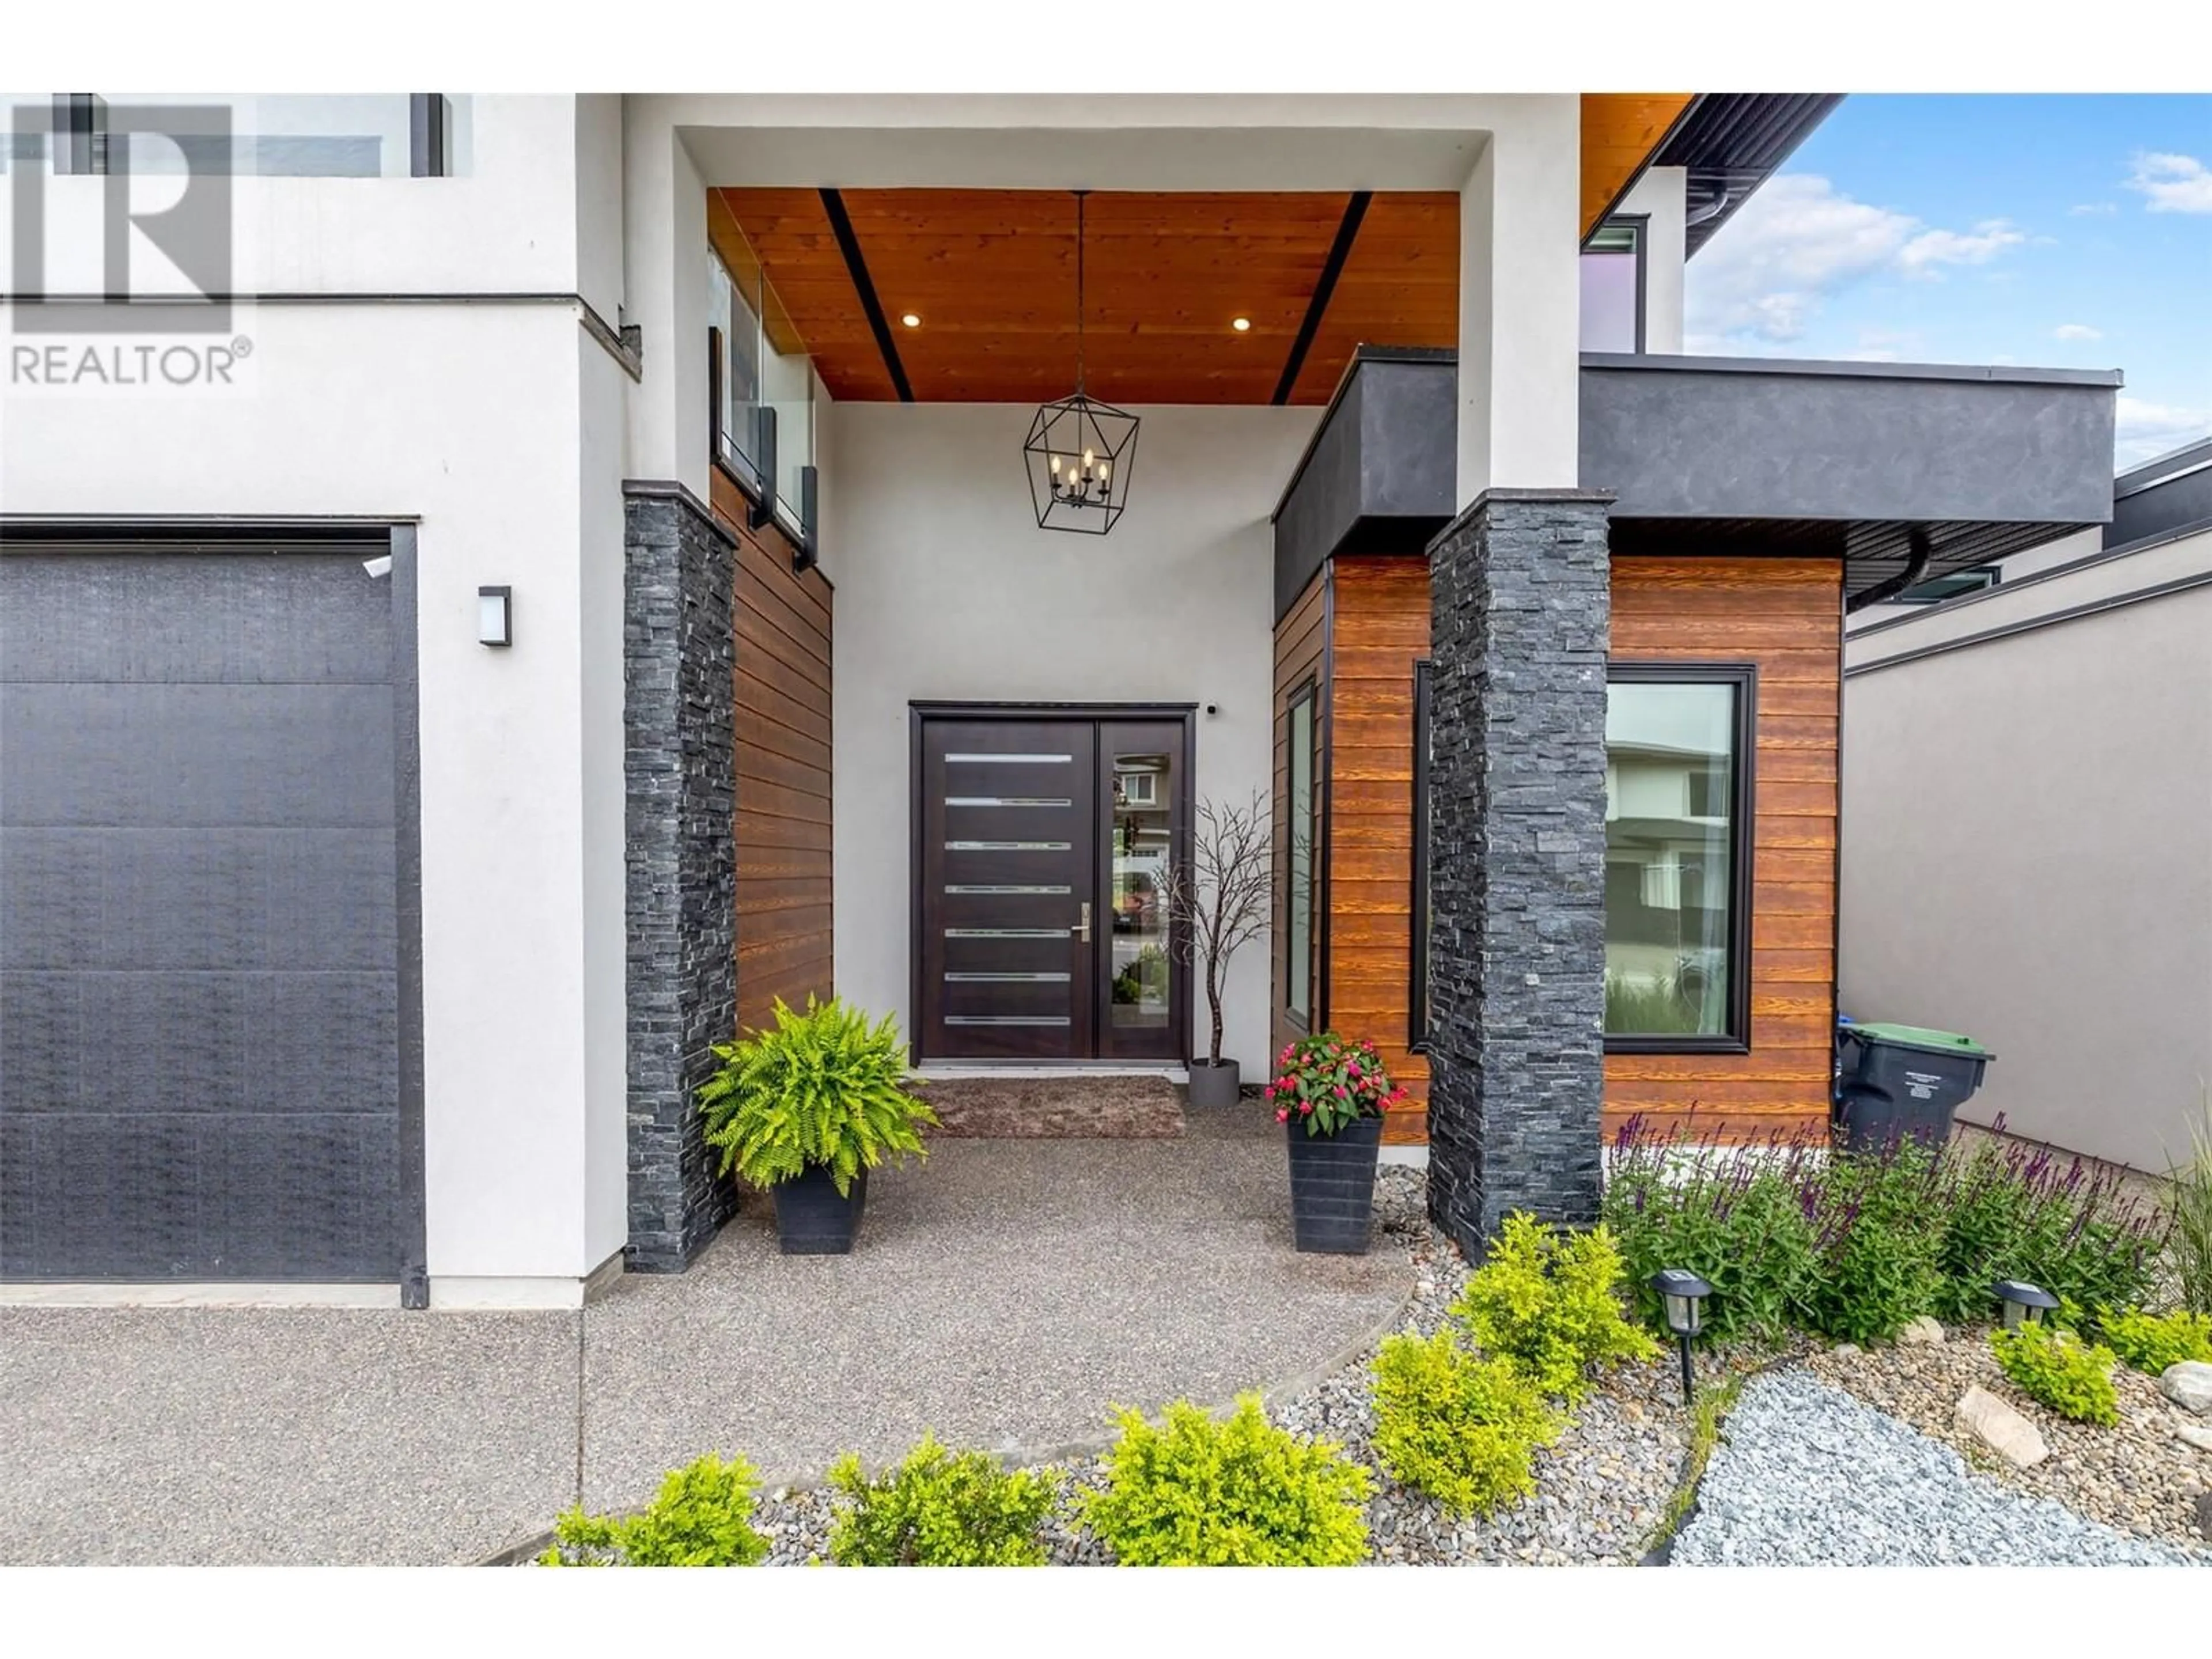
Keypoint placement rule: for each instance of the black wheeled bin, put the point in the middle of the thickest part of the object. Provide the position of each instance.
(1898, 1081)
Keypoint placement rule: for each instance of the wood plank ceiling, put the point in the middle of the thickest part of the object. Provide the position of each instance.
(991, 275)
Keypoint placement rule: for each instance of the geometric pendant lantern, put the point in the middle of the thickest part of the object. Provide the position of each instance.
(1080, 451)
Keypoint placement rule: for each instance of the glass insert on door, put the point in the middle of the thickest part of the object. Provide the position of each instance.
(1143, 839)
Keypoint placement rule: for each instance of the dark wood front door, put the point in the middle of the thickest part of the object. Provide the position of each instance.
(1043, 928)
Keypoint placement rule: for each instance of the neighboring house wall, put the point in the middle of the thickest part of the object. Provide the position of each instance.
(1660, 194)
(1380, 629)
(784, 888)
(1785, 616)
(2032, 867)
(946, 589)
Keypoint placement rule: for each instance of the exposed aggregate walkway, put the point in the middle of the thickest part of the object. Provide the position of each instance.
(1004, 1294)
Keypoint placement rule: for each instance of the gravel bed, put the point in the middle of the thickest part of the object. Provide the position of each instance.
(2136, 1477)
(1601, 1491)
(1805, 1475)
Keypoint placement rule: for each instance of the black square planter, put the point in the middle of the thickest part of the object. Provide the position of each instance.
(813, 1219)
(1333, 1187)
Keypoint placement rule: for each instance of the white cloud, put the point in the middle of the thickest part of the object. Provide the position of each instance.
(1931, 248)
(2143, 431)
(2076, 331)
(1766, 276)
(2174, 184)
(2081, 208)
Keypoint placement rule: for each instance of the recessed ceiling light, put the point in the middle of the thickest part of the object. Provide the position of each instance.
(1241, 324)
(911, 321)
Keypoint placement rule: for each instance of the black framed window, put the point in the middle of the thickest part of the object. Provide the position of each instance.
(1612, 284)
(1299, 889)
(1417, 1037)
(1951, 585)
(1677, 787)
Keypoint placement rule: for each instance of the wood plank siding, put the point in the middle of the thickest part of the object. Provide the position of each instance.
(784, 889)
(1785, 616)
(1301, 655)
(1359, 629)
(1379, 630)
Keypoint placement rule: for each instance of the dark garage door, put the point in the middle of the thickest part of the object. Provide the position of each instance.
(198, 1053)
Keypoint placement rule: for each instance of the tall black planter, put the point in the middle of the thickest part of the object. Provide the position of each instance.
(811, 1219)
(1333, 1187)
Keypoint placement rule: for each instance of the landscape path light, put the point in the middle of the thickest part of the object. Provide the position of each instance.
(2024, 1303)
(1682, 1293)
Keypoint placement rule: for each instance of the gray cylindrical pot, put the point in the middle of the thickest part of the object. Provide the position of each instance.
(1212, 1084)
(1333, 1186)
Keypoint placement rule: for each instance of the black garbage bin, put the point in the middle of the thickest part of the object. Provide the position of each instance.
(1898, 1081)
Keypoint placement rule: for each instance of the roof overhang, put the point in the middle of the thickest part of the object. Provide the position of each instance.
(1729, 143)
(1732, 457)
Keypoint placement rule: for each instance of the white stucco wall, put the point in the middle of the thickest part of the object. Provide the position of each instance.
(947, 589)
(498, 425)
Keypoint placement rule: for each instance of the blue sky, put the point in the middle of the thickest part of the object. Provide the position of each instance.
(2065, 230)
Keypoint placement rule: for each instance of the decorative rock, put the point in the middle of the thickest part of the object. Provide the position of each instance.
(2194, 1434)
(2188, 1383)
(1922, 1333)
(2000, 1428)
(1846, 1350)
(2204, 1513)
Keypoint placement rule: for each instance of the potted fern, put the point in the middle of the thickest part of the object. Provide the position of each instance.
(806, 1110)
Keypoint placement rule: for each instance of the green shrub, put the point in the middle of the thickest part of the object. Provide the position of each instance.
(2004, 1209)
(936, 1510)
(1462, 1428)
(1876, 1243)
(2057, 1367)
(1741, 1227)
(2151, 1342)
(1195, 1492)
(824, 1089)
(1858, 1245)
(1549, 1305)
(2190, 1200)
(702, 1517)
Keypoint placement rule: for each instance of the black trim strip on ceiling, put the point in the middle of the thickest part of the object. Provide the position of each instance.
(1340, 250)
(841, 225)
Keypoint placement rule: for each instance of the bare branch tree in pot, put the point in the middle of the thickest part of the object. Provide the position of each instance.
(1220, 895)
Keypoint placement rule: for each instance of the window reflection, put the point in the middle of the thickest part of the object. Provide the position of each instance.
(1143, 830)
(1670, 833)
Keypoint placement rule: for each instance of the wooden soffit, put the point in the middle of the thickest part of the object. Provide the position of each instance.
(1620, 129)
(991, 273)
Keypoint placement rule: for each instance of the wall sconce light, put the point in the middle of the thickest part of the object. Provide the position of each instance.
(1682, 1293)
(495, 615)
(2024, 1303)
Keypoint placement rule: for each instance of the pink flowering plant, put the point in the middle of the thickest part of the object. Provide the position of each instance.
(1329, 1083)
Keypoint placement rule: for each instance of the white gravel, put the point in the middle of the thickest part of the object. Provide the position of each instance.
(1806, 1475)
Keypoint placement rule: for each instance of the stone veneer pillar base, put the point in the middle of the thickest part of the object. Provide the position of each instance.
(1520, 611)
(679, 646)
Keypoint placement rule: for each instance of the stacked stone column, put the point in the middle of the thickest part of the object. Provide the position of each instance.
(679, 648)
(1520, 611)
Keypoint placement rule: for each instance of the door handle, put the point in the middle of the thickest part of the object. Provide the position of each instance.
(1083, 932)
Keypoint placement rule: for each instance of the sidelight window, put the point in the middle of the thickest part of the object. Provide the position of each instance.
(1298, 924)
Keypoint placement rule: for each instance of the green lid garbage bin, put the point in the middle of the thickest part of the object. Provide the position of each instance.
(1898, 1081)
